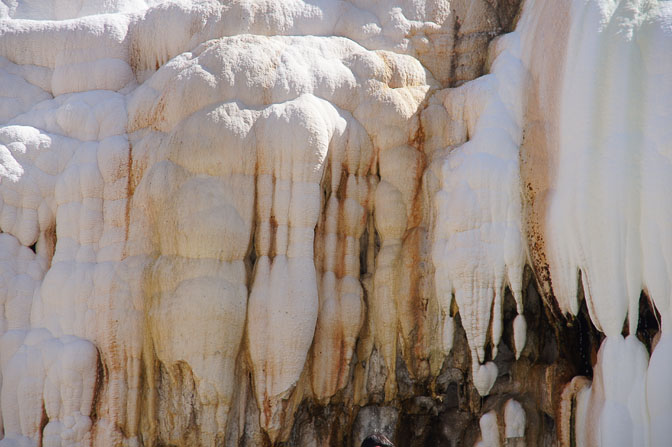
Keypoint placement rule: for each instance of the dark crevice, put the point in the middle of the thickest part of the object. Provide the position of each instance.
(43, 423)
(100, 381)
(580, 338)
(363, 251)
(648, 325)
(51, 239)
(508, 13)
(453, 58)
(251, 258)
(588, 341)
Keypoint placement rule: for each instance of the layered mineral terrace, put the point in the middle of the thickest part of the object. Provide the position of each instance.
(299, 222)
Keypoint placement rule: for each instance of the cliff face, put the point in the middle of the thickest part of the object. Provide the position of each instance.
(264, 223)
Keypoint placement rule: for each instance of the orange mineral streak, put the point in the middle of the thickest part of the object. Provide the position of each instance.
(540, 134)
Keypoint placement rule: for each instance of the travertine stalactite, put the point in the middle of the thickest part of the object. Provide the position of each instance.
(293, 223)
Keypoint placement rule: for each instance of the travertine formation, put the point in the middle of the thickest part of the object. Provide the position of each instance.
(261, 222)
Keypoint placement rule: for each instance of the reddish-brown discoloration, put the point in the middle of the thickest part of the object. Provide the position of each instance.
(540, 141)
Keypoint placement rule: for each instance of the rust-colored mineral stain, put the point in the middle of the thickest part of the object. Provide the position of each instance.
(130, 189)
(540, 138)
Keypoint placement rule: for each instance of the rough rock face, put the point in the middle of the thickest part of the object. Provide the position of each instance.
(295, 222)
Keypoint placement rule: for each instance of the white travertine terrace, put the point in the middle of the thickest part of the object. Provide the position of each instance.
(211, 212)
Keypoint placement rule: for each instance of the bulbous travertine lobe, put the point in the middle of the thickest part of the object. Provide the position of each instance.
(338, 233)
(296, 147)
(200, 223)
